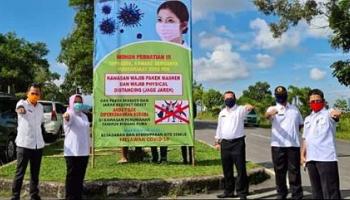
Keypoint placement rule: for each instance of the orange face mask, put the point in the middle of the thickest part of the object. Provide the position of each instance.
(33, 98)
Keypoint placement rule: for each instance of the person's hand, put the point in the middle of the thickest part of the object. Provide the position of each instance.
(21, 110)
(302, 160)
(273, 112)
(249, 107)
(217, 146)
(335, 114)
(66, 116)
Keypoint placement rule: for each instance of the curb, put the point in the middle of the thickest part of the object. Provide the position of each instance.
(141, 188)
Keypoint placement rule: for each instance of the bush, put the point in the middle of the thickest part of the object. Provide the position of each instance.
(344, 123)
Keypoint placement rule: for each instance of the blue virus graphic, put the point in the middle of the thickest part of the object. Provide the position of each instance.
(130, 15)
(107, 26)
(139, 36)
(121, 30)
(106, 9)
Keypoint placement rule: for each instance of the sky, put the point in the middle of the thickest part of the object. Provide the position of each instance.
(232, 45)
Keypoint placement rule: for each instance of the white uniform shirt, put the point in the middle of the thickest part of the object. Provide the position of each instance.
(319, 135)
(77, 135)
(231, 123)
(285, 126)
(29, 133)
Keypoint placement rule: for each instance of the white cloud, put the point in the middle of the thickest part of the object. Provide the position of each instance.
(60, 66)
(59, 82)
(265, 40)
(202, 8)
(209, 41)
(221, 65)
(223, 29)
(319, 27)
(317, 74)
(264, 61)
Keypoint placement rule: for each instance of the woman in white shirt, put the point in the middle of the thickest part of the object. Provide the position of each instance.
(76, 146)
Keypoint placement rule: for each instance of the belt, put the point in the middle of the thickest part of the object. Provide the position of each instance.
(233, 140)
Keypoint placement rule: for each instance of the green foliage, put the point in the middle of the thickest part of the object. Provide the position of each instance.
(290, 13)
(197, 90)
(22, 63)
(300, 97)
(206, 115)
(77, 50)
(341, 104)
(212, 99)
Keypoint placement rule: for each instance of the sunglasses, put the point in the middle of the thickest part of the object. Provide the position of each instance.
(316, 101)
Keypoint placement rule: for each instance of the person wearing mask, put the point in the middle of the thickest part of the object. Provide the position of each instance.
(285, 145)
(172, 21)
(318, 150)
(76, 146)
(29, 141)
(230, 139)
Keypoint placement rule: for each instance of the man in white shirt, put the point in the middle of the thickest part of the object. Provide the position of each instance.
(230, 139)
(318, 150)
(29, 142)
(285, 145)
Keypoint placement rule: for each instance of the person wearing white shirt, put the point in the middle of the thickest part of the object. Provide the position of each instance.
(230, 139)
(285, 145)
(29, 141)
(76, 146)
(318, 152)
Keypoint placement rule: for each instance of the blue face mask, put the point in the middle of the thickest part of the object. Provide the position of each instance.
(79, 107)
(230, 102)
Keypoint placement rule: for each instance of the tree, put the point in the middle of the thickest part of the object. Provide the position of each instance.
(197, 90)
(212, 99)
(341, 104)
(22, 63)
(290, 13)
(77, 49)
(300, 98)
(258, 92)
(259, 95)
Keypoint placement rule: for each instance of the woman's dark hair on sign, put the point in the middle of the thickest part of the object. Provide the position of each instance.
(179, 9)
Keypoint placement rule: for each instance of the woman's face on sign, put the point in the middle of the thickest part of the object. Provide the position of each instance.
(167, 16)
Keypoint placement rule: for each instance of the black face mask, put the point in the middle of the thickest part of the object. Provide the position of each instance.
(281, 98)
(230, 102)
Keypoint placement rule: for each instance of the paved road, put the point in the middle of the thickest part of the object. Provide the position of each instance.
(258, 151)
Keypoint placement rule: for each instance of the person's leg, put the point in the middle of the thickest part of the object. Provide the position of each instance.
(184, 154)
(239, 157)
(22, 162)
(164, 154)
(329, 176)
(82, 162)
(70, 178)
(280, 165)
(294, 172)
(315, 180)
(155, 156)
(124, 155)
(190, 160)
(35, 162)
(227, 166)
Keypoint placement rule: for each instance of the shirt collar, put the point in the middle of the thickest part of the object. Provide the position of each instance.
(231, 109)
(278, 105)
(319, 112)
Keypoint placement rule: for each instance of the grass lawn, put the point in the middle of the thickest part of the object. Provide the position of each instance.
(53, 166)
(343, 135)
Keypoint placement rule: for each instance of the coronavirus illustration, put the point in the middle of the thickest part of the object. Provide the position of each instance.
(139, 36)
(106, 9)
(107, 26)
(130, 15)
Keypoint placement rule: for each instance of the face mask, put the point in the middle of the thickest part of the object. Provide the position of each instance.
(281, 98)
(78, 107)
(316, 106)
(230, 102)
(168, 31)
(33, 98)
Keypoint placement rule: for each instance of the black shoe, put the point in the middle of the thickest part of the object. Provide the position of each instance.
(243, 197)
(35, 197)
(226, 195)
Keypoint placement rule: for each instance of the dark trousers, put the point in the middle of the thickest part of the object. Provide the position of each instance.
(233, 153)
(324, 178)
(186, 152)
(163, 154)
(76, 168)
(24, 156)
(287, 159)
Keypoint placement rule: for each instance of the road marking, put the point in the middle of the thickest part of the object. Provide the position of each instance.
(261, 136)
